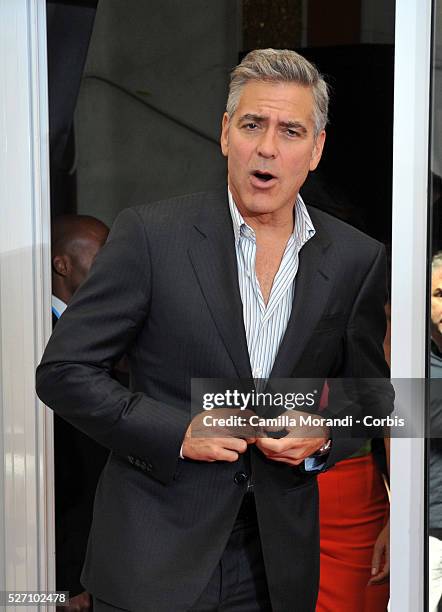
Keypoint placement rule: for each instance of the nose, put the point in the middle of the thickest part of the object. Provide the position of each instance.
(267, 146)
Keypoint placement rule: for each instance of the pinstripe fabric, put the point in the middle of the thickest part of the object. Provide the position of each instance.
(265, 325)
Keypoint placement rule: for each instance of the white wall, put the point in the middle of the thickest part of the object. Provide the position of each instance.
(409, 290)
(26, 487)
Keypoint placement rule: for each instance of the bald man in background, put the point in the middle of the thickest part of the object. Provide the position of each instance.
(76, 240)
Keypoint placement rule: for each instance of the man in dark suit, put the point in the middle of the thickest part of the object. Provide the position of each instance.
(78, 460)
(240, 283)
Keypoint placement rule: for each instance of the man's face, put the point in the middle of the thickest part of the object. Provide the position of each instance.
(270, 146)
(436, 305)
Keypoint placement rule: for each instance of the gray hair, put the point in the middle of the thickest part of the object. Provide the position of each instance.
(280, 65)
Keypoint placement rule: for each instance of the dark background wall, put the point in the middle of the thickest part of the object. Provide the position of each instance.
(154, 86)
(175, 56)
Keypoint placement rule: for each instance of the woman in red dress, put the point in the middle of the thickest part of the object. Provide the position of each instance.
(354, 523)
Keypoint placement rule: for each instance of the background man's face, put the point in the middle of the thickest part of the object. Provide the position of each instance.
(436, 305)
(270, 145)
(76, 242)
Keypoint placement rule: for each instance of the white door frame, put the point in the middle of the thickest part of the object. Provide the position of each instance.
(26, 472)
(26, 480)
(409, 288)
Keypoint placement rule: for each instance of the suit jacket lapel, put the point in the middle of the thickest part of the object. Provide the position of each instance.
(313, 284)
(213, 257)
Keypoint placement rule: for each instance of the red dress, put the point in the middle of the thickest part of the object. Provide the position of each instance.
(353, 511)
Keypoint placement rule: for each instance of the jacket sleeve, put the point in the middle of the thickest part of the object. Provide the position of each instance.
(363, 372)
(103, 318)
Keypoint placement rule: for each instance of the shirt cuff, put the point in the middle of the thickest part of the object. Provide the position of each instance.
(313, 464)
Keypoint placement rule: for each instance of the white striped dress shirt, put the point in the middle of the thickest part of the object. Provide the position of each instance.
(265, 324)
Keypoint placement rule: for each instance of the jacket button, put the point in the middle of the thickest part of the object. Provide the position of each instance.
(240, 478)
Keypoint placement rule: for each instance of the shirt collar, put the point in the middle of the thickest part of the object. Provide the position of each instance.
(237, 219)
(303, 230)
(58, 307)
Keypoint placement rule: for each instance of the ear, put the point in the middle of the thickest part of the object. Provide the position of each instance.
(61, 265)
(225, 134)
(318, 147)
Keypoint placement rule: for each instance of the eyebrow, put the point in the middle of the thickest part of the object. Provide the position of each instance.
(261, 118)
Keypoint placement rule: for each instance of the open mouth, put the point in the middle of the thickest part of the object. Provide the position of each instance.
(265, 177)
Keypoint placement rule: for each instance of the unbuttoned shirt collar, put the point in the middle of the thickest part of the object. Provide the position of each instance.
(265, 324)
(58, 307)
(303, 226)
(284, 281)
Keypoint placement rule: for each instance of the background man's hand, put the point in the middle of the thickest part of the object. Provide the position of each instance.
(79, 603)
(298, 444)
(217, 443)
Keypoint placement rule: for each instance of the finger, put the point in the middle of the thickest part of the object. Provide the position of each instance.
(288, 457)
(278, 446)
(382, 576)
(223, 454)
(376, 559)
(268, 428)
(307, 446)
(291, 454)
(243, 432)
(288, 461)
(221, 429)
(236, 444)
(384, 573)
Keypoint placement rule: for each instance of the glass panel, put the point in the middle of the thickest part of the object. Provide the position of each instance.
(434, 446)
(151, 92)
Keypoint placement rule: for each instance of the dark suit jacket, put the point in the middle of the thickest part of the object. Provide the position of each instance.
(78, 462)
(164, 290)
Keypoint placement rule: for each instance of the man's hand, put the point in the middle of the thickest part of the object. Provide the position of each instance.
(79, 603)
(292, 448)
(218, 442)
